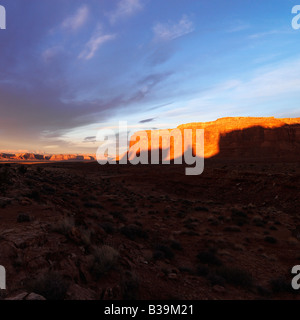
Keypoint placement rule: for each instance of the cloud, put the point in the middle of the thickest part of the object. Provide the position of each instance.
(51, 53)
(170, 31)
(125, 9)
(77, 20)
(95, 43)
(90, 139)
(147, 120)
(237, 27)
(263, 34)
(161, 54)
(269, 89)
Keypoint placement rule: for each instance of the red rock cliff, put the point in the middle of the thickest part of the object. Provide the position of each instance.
(247, 137)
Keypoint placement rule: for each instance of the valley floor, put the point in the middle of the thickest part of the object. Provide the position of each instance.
(85, 231)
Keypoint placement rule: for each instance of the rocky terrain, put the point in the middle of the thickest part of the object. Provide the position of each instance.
(72, 230)
(32, 157)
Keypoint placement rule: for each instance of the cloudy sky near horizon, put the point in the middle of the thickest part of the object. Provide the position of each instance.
(71, 67)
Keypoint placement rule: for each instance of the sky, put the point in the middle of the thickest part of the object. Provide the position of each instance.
(69, 68)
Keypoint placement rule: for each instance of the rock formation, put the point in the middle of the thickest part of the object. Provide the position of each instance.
(243, 137)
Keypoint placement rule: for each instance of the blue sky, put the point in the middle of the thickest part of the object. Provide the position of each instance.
(70, 67)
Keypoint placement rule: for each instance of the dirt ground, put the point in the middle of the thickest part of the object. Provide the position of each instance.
(85, 231)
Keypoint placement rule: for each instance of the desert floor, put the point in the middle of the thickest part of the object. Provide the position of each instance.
(85, 231)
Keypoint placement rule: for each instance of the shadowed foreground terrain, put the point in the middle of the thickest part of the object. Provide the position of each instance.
(85, 231)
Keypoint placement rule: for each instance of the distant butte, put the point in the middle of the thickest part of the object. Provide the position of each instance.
(32, 157)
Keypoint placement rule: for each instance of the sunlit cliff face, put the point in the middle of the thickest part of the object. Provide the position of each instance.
(229, 133)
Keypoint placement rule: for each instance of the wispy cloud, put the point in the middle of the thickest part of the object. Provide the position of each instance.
(268, 86)
(147, 120)
(51, 53)
(237, 26)
(77, 20)
(263, 34)
(125, 9)
(92, 46)
(170, 31)
(90, 139)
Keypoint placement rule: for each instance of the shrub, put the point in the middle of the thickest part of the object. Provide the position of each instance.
(202, 270)
(51, 285)
(93, 205)
(280, 285)
(108, 227)
(35, 195)
(216, 279)
(165, 250)
(270, 239)
(104, 259)
(64, 226)
(209, 257)
(5, 179)
(239, 217)
(133, 231)
(118, 215)
(22, 169)
(175, 245)
(201, 209)
(236, 276)
(48, 190)
(23, 217)
(130, 286)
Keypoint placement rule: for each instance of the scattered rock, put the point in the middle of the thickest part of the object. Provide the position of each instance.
(34, 296)
(20, 296)
(76, 292)
(232, 229)
(172, 276)
(219, 289)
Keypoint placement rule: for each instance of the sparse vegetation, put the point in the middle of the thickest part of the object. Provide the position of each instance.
(163, 251)
(133, 232)
(270, 239)
(52, 286)
(209, 257)
(22, 169)
(23, 217)
(236, 276)
(64, 226)
(104, 259)
(280, 285)
(130, 286)
(5, 179)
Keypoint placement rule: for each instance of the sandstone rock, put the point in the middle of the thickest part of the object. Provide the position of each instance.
(219, 289)
(5, 201)
(240, 137)
(76, 292)
(20, 296)
(38, 157)
(172, 276)
(34, 296)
